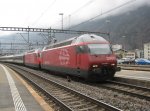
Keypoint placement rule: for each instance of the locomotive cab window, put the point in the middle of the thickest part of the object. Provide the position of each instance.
(82, 49)
(99, 49)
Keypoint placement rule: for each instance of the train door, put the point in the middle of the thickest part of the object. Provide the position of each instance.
(82, 59)
(78, 60)
(78, 63)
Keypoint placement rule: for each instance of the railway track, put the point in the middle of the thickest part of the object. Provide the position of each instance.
(133, 90)
(67, 98)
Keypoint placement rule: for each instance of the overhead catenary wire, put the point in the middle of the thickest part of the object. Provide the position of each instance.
(37, 20)
(79, 9)
(85, 5)
(101, 14)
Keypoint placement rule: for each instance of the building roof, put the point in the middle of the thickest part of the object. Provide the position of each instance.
(115, 50)
(146, 43)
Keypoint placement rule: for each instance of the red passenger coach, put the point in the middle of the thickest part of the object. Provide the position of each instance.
(32, 58)
(88, 56)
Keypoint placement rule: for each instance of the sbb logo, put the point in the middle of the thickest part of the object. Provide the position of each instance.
(64, 57)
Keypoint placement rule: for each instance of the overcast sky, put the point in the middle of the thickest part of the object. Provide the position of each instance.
(45, 13)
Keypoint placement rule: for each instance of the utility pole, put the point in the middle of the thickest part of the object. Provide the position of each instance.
(124, 37)
(69, 21)
(0, 49)
(49, 36)
(108, 22)
(28, 38)
(11, 49)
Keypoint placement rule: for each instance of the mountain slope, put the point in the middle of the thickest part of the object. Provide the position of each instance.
(134, 25)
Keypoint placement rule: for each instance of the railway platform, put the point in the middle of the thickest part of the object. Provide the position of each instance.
(17, 95)
(139, 75)
(141, 78)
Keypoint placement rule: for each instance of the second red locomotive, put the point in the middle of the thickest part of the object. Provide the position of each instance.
(32, 58)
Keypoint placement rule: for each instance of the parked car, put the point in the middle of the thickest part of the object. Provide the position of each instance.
(126, 61)
(142, 61)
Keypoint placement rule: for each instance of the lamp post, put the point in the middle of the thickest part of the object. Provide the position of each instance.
(62, 19)
(108, 22)
(124, 44)
(69, 21)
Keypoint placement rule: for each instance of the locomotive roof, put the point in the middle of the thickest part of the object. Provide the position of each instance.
(91, 38)
(33, 51)
(76, 40)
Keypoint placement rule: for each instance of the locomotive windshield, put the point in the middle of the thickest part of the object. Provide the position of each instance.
(99, 49)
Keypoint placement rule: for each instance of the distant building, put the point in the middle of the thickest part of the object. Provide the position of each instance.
(120, 53)
(130, 54)
(139, 53)
(147, 50)
(116, 47)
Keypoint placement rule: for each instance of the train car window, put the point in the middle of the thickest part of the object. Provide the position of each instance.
(100, 49)
(78, 49)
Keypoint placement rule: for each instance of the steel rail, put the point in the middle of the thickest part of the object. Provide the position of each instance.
(129, 85)
(86, 97)
(126, 86)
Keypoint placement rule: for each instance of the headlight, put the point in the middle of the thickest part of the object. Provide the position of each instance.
(113, 64)
(95, 65)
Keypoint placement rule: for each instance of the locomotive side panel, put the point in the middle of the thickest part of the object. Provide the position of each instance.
(60, 59)
(32, 60)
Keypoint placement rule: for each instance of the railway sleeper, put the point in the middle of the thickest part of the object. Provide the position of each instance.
(63, 97)
(61, 94)
(70, 100)
(75, 102)
(144, 93)
(132, 90)
(79, 106)
(66, 97)
(57, 92)
(89, 108)
(147, 94)
(123, 88)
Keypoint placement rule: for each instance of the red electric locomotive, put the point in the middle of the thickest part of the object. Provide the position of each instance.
(88, 56)
(32, 58)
